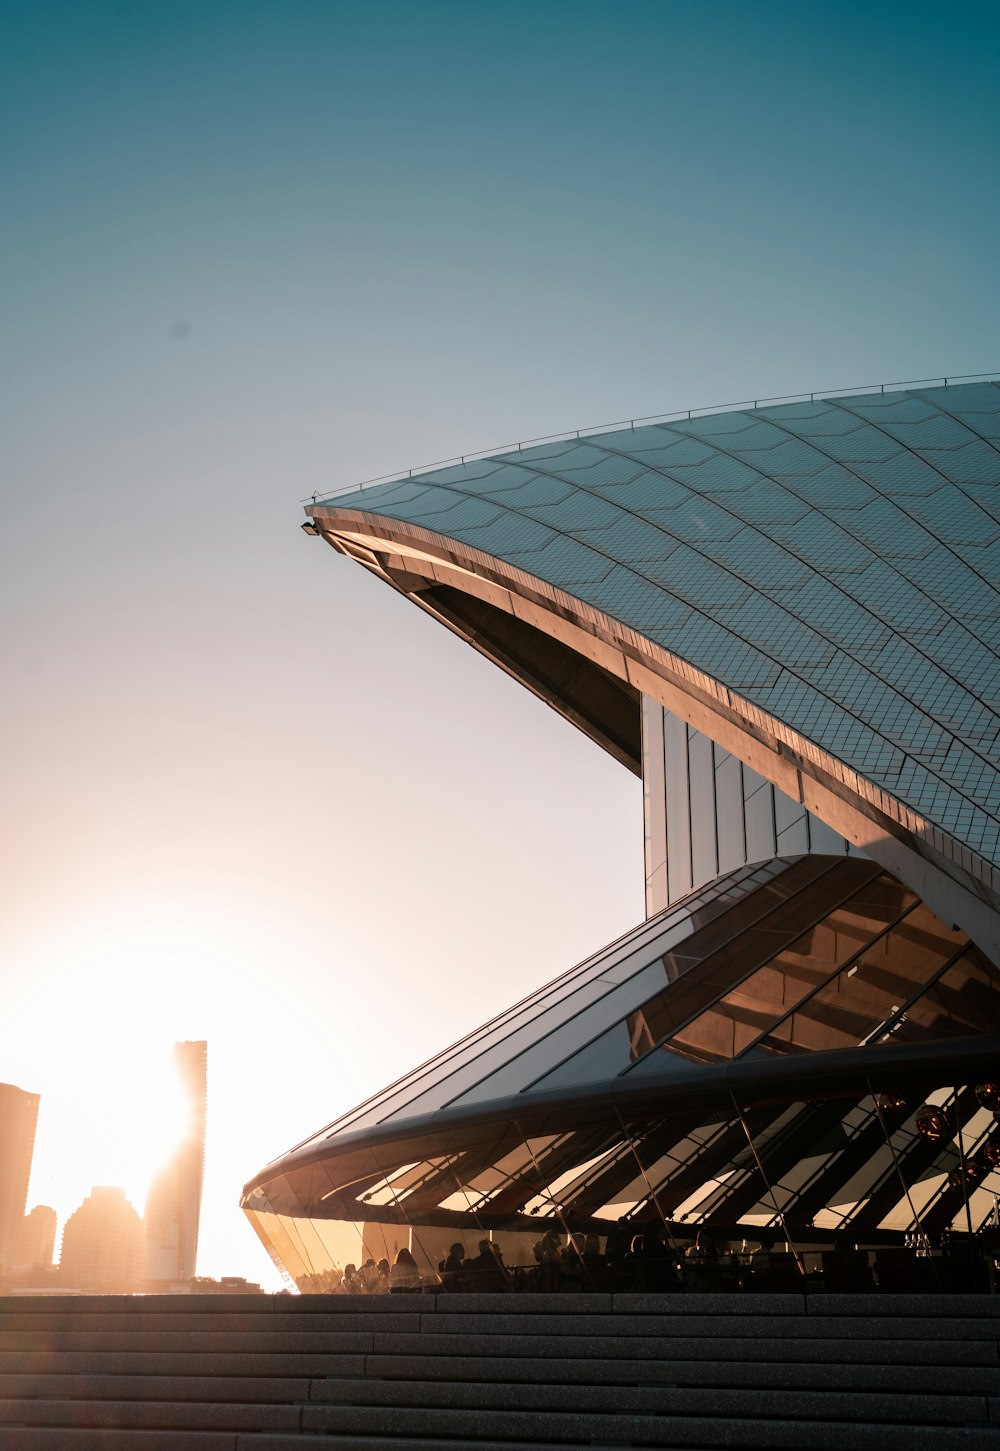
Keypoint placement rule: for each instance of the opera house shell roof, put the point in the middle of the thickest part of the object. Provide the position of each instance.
(785, 619)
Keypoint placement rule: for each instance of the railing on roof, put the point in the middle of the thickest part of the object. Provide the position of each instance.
(630, 423)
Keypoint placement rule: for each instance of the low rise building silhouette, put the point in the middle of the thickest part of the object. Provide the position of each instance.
(37, 1239)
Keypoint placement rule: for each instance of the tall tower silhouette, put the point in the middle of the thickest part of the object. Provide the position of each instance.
(18, 1117)
(173, 1208)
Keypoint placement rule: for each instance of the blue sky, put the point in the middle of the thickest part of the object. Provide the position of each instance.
(252, 251)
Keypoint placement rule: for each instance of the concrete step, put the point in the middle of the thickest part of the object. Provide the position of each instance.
(41, 1323)
(578, 1370)
(748, 1345)
(555, 1329)
(657, 1426)
(873, 1406)
(239, 1363)
(173, 1342)
(798, 1436)
(76, 1438)
(869, 1407)
(432, 1373)
(230, 1309)
(387, 1373)
(548, 1357)
(785, 1438)
(636, 1430)
(250, 1389)
(868, 1327)
(774, 1381)
(149, 1415)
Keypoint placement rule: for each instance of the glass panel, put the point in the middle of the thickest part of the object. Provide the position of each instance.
(747, 1013)
(965, 1000)
(864, 1001)
(753, 947)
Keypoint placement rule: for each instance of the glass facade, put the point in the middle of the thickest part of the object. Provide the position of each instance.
(615, 1103)
(811, 1171)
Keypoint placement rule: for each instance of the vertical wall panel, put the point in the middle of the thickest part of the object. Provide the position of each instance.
(705, 812)
(678, 797)
(758, 806)
(704, 830)
(731, 829)
(654, 806)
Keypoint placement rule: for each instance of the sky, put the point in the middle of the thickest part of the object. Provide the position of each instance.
(252, 251)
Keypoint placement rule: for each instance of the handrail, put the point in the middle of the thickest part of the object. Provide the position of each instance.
(630, 423)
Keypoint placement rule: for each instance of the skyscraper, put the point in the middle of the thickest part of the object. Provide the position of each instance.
(38, 1238)
(173, 1208)
(18, 1117)
(102, 1244)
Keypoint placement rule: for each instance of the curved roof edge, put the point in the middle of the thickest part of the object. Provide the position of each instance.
(888, 1066)
(960, 885)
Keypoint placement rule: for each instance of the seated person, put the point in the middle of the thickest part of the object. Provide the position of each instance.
(486, 1269)
(453, 1268)
(404, 1277)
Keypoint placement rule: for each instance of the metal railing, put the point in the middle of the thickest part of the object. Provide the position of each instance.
(622, 424)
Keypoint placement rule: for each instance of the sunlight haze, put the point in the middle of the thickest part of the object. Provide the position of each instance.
(256, 251)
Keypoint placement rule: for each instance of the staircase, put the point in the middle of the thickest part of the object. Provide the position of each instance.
(286, 1373)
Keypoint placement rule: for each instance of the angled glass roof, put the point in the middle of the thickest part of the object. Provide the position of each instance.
(789, 956)
(834, 563)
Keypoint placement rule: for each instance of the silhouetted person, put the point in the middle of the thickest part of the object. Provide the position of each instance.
(631, 1265)
(453, 1268)
(659, 1271)
(404, 1277)
(486, 1270)
(550, 1255)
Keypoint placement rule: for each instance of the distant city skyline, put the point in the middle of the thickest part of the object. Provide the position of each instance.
(99, 1242)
